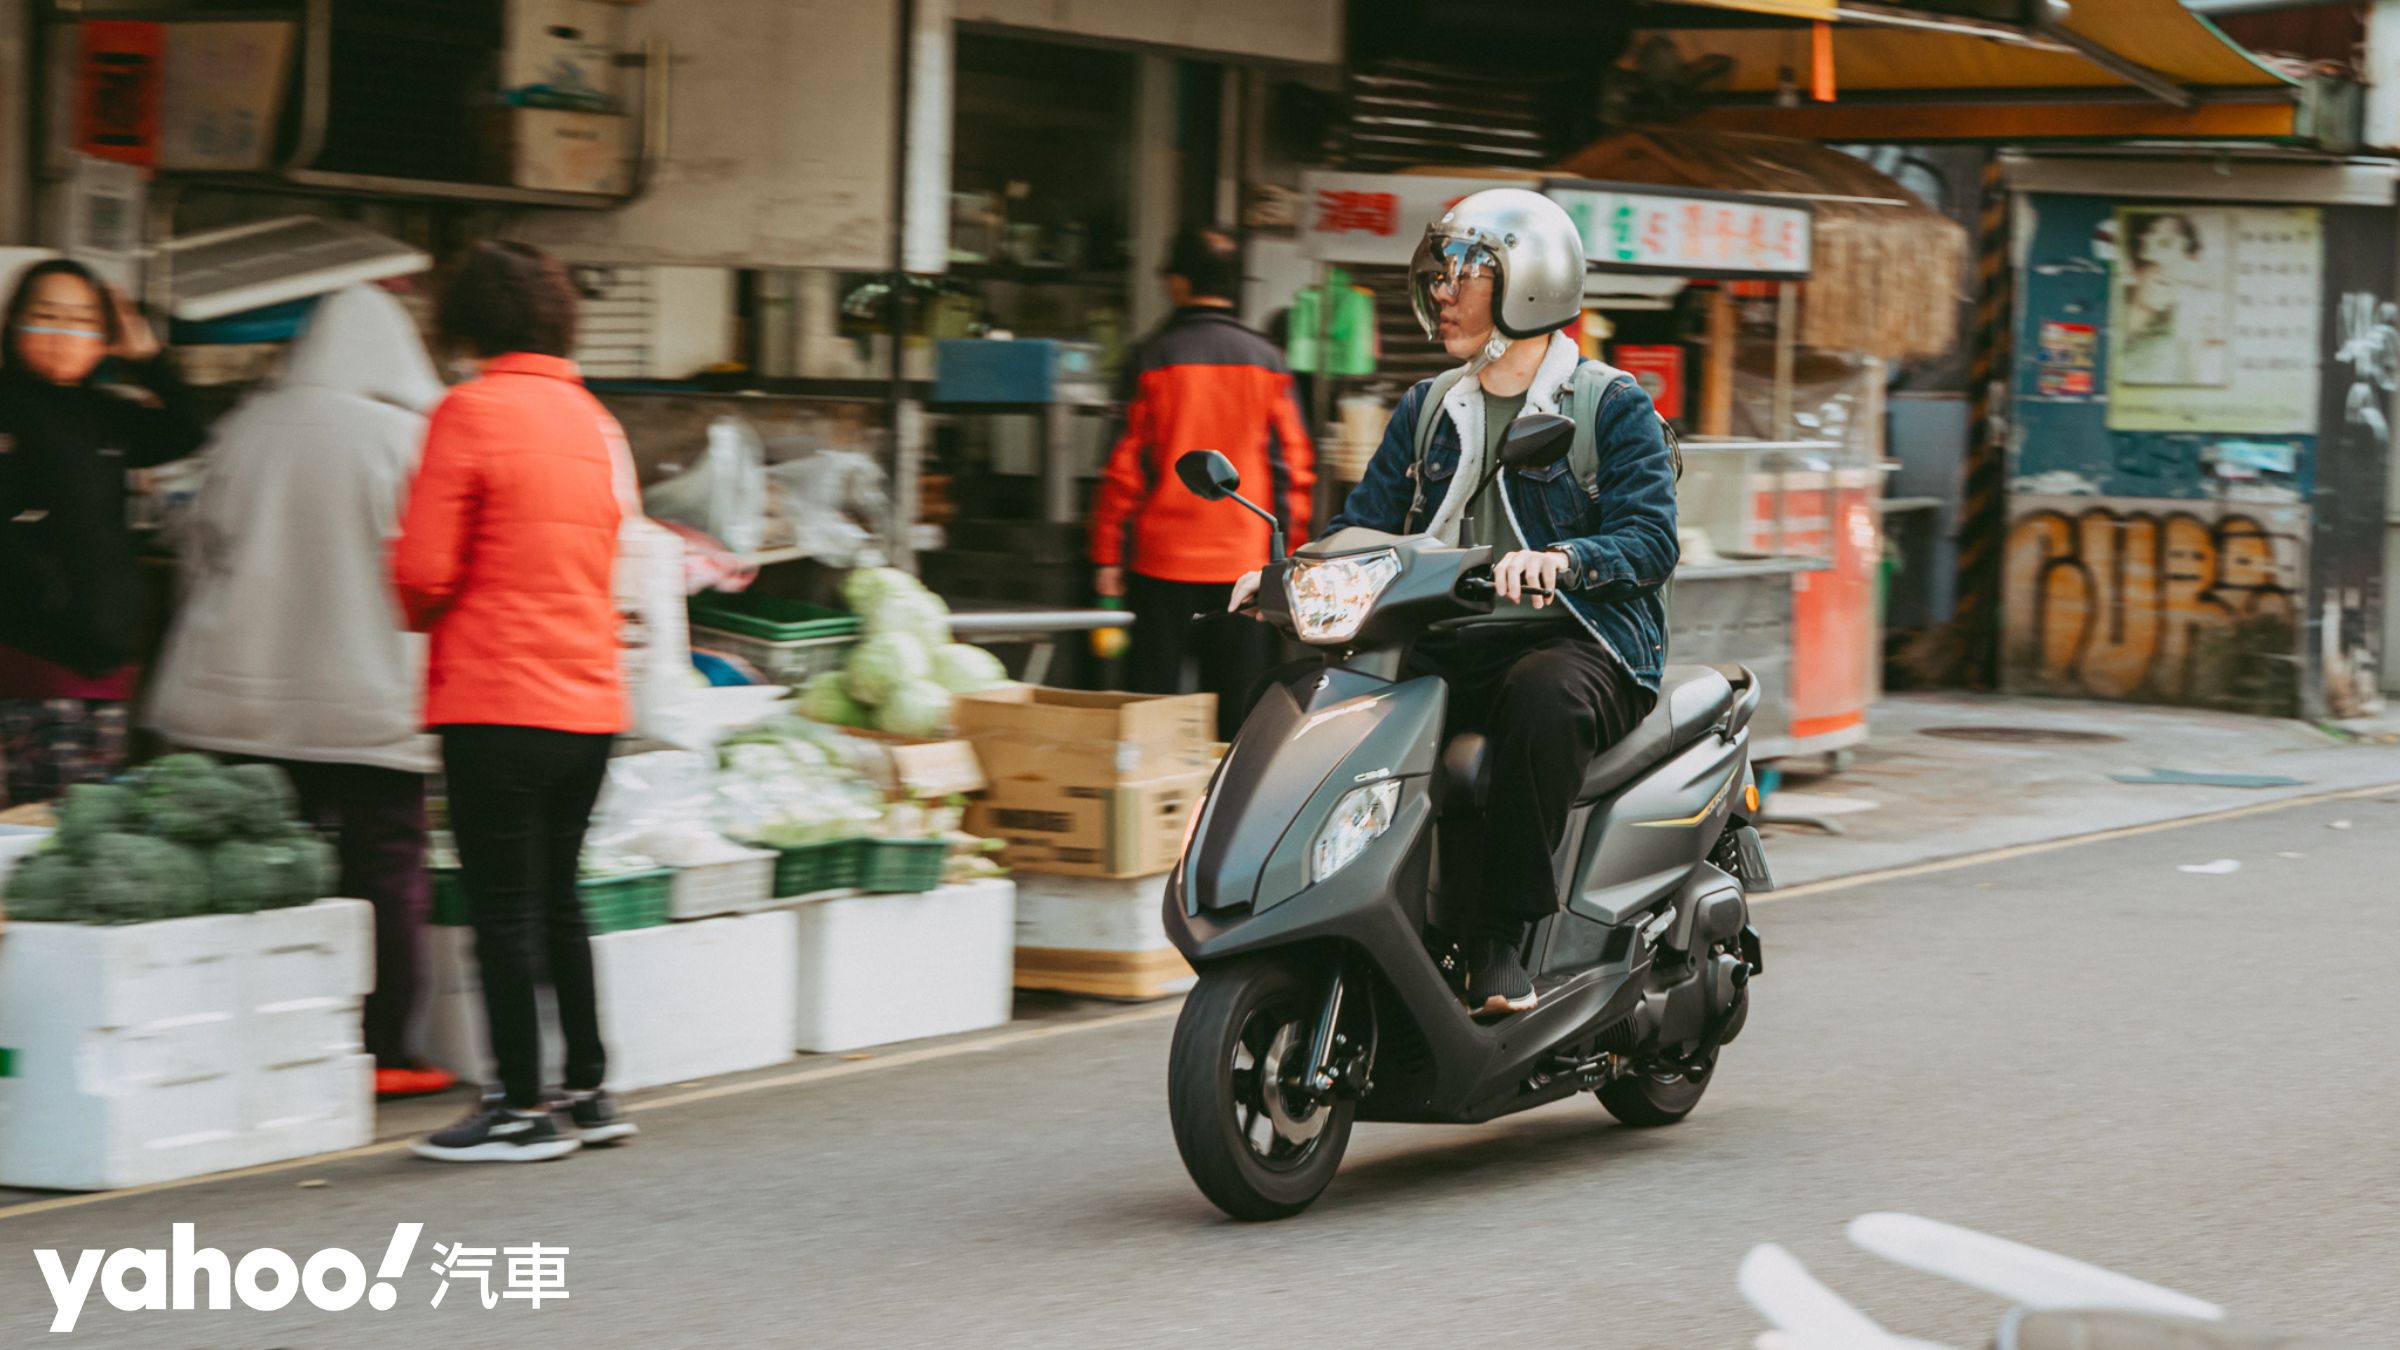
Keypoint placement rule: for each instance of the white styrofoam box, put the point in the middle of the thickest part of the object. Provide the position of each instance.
(1092, 913)
(311, 1085)
(737, 887)
(156, 1051)
(881, 968)
(681, 1001)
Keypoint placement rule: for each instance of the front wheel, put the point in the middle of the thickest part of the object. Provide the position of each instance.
(1257, 1143)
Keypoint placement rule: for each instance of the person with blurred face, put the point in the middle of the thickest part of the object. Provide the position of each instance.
(288, 645)
(505, 557)
(70, 591)
(1203, 381)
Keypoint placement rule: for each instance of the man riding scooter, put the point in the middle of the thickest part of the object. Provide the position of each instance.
(1551, 687)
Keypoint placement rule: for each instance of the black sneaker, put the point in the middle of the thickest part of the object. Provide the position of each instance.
(1496, 980)
(598, 1119)
(496, 1134)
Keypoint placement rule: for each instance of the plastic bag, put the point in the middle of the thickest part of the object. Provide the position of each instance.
(725, 494)
(653, 638)
(833, 503)
(657, 805)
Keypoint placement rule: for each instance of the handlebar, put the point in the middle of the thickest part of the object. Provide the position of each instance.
(1483, 588)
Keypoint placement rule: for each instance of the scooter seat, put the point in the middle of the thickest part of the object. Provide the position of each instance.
(1691, 699)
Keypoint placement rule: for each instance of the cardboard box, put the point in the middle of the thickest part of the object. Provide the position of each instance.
(223, 100)
(558, 151)
(1112, 830)
(563, 47)
(914, 766)
(1079, 739)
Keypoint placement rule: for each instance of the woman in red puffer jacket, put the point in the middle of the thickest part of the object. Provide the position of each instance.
(505, 557)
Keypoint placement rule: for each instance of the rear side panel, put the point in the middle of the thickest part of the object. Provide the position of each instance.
(1640, 844)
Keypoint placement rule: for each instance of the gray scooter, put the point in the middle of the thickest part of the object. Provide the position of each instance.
(1343, 825)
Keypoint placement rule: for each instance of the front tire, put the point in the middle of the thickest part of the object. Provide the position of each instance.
(1253, 1145)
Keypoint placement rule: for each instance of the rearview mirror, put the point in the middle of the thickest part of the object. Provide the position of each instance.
(1536, 440)
(1208, 474)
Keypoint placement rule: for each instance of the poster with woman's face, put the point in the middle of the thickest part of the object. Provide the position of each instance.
(2174, 298)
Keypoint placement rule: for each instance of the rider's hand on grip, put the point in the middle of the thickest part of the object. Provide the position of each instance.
(1525, 574)
(1245, 593)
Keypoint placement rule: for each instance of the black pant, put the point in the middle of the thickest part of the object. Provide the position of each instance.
(1549, 700)
(1233, 649)
(520, 798)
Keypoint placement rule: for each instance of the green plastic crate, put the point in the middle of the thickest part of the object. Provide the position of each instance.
(610, 904)
(811, 868)
(893, 865)
(788, 640)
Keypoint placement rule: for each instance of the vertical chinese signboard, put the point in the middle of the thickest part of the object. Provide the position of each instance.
(118, 88)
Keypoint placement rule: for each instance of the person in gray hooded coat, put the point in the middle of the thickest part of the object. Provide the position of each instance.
(288, 644)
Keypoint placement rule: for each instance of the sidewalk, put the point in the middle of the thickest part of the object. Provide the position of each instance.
(1913, 797)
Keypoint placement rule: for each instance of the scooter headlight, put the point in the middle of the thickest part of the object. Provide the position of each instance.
(1330, 598)
(1362, 815)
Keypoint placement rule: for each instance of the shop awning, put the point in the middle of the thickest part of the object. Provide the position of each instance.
(2114, 70)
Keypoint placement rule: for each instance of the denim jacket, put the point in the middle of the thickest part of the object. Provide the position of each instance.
(1617, 531)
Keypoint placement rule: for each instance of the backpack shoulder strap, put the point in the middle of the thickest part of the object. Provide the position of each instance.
(1429, 417)
(1592, 379)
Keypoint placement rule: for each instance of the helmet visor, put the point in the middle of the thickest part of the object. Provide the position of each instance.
(1445, 267)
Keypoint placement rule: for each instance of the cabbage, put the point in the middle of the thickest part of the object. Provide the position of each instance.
(920, 614)
(915, 708)
(826, 698)
(883, 663)
(962, 669)
(867, 587)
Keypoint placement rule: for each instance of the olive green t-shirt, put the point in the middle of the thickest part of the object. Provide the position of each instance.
(1487, 516)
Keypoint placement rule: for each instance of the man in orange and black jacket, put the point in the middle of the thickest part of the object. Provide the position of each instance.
(1203, 381)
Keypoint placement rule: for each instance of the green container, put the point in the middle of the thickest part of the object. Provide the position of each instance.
(771, 617)
(893, 865)
(811, 868)
(787, 640)
(610, 904)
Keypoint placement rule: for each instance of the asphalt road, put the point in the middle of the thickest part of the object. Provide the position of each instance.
(2187, 1077)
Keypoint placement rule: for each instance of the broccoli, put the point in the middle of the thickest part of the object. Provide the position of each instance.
(91, 810)
(134, 878)
(243, 876)
(188, 799)
(308, 871)
(271, 802)
(44, 887)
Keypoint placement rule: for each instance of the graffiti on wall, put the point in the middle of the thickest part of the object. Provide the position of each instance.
(2170, 601)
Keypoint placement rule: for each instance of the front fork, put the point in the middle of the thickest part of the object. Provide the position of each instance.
(1338, 1060)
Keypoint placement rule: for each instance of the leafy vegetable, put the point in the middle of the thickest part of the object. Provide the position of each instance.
(883, 663)
(826, 698)
(915, 708)
(867, 587)
(188, 799)
(134, 878)
(962, 669)
(245, 875)
(91, 810)
(918, 613)
(44, 886)
(269, 804)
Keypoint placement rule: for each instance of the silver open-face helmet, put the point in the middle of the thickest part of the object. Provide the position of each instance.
(1524, 241)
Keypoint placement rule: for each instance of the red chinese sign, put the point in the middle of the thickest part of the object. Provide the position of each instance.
(1378, 218)
(1659, 371)
(118, 89)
